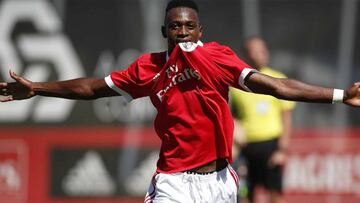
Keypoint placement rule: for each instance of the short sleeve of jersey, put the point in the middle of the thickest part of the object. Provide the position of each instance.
(234, 70)
(135, 81)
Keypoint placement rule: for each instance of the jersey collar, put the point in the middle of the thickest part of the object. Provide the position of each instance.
(199, 43)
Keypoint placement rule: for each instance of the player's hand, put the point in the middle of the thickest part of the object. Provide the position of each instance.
(352, 95)
(278, 158)
(18, 90)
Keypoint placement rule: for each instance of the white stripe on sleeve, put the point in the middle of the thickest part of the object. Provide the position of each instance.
(242, 77)
(123, 93)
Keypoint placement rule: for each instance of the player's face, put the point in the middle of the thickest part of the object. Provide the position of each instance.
(257, 52)
(181, 25)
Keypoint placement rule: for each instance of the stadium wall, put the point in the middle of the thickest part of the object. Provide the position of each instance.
(114, 164)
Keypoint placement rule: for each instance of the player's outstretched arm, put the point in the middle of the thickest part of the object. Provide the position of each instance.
(81, 88)
(295, 90)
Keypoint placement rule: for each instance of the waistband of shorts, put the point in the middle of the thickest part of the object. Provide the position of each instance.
(184, 176)
(220, 168)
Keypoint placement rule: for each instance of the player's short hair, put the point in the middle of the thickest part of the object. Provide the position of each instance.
(182, 3)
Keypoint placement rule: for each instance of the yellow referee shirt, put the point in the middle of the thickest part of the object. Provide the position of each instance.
(260, 115)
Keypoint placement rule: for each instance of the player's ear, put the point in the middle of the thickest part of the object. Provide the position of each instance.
(163, 31)
(200, 31)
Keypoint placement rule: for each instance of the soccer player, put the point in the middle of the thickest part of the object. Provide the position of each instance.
(265, 148)
(188, 84)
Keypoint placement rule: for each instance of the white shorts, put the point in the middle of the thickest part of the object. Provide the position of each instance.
(217, 187)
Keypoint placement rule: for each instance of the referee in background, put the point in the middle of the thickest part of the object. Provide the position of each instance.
(264, 123)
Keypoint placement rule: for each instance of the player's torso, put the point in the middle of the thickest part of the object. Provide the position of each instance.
(185, 79)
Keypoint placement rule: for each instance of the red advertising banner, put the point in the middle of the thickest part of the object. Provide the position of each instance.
(324, 166)
(13, 171)
(29, 153)
(65, 165)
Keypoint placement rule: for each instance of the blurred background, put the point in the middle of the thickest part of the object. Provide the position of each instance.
(54, 150)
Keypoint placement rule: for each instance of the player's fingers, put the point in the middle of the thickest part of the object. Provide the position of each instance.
(16, 77)
(13, 75)
(3, 84)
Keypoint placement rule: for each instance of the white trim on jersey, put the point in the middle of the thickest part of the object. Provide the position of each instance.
(242, 77)
(123, 93)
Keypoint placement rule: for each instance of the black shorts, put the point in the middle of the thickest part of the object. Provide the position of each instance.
(257, 156)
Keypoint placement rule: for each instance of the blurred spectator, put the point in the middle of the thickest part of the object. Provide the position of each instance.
(262, 129)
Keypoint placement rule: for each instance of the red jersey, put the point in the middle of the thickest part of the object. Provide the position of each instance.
(190, 93)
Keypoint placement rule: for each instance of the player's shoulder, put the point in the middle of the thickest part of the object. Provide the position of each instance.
(152, 59)
(217, 48)
(153, 56)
